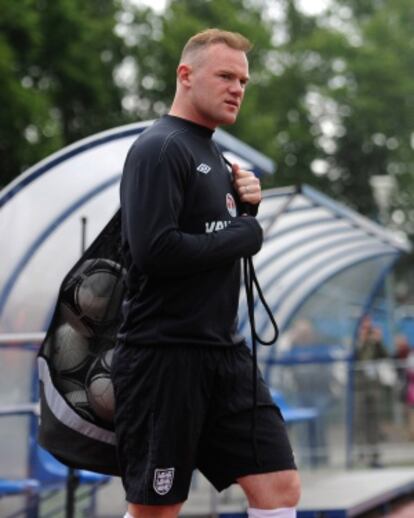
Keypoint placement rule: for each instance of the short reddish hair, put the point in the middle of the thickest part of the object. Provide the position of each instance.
(209, 37)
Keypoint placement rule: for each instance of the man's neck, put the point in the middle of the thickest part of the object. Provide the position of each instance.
(189, 115)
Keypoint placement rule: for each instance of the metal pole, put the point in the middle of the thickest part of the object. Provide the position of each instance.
(8, 339)
(84, 222)
(73, 477)
(71, 487)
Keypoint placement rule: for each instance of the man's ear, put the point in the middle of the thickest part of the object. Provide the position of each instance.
(184, 74)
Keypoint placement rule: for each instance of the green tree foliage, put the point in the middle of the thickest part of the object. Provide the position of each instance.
(331, 97)
(378, 91)
(57, 60)
(157, 40)
(322, 87)
(23, 108)
(274, 117)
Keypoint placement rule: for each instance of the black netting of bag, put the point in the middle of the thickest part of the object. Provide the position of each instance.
(82, 335)
(77, 352)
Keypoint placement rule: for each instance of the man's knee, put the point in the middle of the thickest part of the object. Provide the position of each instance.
(289, 484)
(272, 490)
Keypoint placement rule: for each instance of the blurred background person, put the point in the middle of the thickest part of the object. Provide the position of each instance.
(368, 391)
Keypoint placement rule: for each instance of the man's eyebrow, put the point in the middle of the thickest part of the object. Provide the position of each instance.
(232, 73)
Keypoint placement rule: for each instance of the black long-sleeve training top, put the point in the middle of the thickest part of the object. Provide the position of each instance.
(182, 239)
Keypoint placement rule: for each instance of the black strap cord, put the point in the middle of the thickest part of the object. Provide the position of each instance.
(251, 282)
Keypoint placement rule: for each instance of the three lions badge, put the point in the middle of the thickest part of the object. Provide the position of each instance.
(163, 480)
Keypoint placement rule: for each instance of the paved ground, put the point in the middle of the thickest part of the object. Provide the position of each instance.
(347, 489)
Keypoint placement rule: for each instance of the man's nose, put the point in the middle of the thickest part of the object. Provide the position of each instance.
(237, 88)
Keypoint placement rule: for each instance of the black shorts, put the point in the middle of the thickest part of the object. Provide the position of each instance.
(179, 408)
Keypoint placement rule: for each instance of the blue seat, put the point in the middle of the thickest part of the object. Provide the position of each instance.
(27, 488)
(52, 474)
(18, 487)
(293, 414)
(49, 471)
(306, 415)
(46, 473)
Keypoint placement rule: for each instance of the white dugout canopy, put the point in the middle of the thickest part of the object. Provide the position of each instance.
(41, 215)
(321, 263)
(309, 239)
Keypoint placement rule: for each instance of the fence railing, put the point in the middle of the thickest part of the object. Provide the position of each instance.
(365, 417)
(362, 406)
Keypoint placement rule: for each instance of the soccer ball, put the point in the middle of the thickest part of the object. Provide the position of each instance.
(91, 297)
(99, 388)
(79, 401)
(69, 355)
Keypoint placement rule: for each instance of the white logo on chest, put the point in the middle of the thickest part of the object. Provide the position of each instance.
(215, 226)
(204, 168)
(163, 480)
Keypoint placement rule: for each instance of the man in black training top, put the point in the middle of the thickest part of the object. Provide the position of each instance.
(182, 374)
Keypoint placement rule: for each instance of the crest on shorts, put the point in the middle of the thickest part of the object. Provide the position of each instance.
(163, 480)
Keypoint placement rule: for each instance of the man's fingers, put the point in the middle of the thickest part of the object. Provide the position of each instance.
(241, 173)
(253, 198)
(249, 188)
(247, 185)
(235, 168)
(251, 182)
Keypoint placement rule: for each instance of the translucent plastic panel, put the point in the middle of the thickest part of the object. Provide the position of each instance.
(329, 315)
(41, 214)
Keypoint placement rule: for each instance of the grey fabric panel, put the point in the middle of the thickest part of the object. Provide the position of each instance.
(64, 413)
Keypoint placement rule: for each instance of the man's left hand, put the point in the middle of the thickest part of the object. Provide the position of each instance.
(247, 185)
